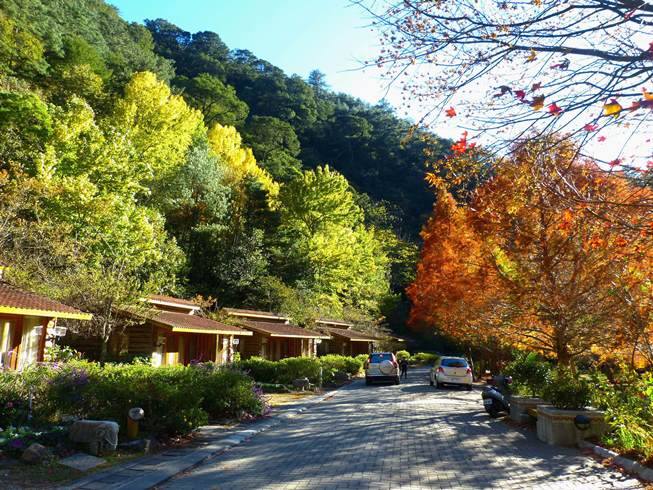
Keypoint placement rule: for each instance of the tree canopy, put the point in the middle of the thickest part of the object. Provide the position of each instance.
(138, 159)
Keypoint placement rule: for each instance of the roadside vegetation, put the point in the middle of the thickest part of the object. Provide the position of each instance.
(143, 158)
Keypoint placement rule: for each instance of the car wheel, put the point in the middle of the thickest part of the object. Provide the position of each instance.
(431, 382)
(469, 387)
(368, 381)
(438, 384)
(397, 381)
(493, 413)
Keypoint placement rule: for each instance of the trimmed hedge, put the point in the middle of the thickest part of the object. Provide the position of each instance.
(291, 368)
(176, 399)
(424, 358)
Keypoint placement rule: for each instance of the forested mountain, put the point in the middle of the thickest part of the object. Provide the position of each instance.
(146, 158)
(293, 121)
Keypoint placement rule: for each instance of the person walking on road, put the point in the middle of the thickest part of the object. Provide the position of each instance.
(403, 365)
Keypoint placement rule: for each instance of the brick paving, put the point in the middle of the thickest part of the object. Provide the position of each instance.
(409, 436)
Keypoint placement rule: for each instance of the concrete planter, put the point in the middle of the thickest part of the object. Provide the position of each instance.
(519, 406)
(555, 426)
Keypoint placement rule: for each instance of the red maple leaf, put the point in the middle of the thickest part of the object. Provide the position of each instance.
(591, 127)
(451, 112)
(615, 162)
(520, 94)
(554, 109)
(460, 146)
(538, 85)
(601, 139)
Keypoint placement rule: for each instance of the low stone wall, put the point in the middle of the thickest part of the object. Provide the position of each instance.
(519, 406)
(555, 426)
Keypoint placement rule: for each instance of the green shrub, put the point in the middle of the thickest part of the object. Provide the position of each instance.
(566, 390)
(529, 373)
(334, 363)
(285, 371)
(403, 354)
(260, 369)
(229, 392)
(424, 358)
(628, 405)
(176, 400)
(293, 368)
(362, 358)
(14, 396)
(59, 353)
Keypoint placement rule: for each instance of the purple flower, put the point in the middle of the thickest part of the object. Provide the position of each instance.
(17, 444)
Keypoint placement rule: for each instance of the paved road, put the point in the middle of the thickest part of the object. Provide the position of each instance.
(406, 436)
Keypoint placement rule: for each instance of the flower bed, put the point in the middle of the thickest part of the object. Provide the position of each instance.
(176, 400)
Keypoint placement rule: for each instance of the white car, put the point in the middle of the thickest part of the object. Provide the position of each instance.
(382, 367)
(452, 371)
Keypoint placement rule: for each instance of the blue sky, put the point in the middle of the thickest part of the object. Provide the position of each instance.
(295, 35)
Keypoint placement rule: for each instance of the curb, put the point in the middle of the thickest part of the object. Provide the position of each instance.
(151, 471)
(629, 465)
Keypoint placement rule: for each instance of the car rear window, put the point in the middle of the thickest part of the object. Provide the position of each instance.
(376, 358)
(454, 363)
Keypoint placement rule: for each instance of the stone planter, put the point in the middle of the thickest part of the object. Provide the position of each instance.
(519, 406)
(555, 426)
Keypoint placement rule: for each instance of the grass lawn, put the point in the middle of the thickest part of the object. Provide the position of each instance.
(278, 399)
(15, 474)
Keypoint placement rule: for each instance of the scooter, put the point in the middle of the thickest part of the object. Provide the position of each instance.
(496, 397)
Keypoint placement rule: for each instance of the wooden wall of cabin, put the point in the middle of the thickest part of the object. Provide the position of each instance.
(256, 345)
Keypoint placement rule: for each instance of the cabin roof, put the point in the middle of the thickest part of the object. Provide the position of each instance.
(351, 335)
(255, 314)
(17, 301)
(183, 322)
(282, 330)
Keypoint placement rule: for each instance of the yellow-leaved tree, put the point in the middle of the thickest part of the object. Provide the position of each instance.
(158, 125)
(239, 160)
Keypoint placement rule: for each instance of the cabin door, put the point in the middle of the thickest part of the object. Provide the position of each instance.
(9, 341)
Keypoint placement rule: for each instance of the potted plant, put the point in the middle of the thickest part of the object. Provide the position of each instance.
(529, 375)
(569, 419)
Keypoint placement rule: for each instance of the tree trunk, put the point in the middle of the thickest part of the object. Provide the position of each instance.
(104, 344)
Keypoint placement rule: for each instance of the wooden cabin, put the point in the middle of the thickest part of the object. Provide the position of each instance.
(28, 323)
(170, 331)
(274, 337)
(343, 340)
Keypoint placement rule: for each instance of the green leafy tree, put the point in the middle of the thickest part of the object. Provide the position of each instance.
(326, 247)
(125, 47)
(217, 101)
(275, 146)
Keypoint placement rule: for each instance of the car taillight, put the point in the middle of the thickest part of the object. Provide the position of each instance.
(394, 363)
(440, 370)
(367, 363)
(469, 370)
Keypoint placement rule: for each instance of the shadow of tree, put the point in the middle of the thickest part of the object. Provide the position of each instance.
(399, 436)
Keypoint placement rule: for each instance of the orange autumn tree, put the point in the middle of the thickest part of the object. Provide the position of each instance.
(633, 295)
(524, 265)
(452, 268)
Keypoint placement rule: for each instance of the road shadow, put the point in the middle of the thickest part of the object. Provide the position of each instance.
(400, 436)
